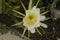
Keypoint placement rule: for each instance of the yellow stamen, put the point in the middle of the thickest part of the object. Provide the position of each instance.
(31, 18)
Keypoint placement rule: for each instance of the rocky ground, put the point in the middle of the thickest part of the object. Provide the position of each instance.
(10, 33)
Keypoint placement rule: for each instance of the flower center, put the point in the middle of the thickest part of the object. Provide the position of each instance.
(31, 19)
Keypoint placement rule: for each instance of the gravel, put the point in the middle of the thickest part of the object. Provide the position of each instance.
(9, 36)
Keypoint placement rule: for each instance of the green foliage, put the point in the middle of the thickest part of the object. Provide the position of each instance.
(0, 6)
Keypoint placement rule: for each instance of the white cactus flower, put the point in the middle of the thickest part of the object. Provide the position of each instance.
(33, 18)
